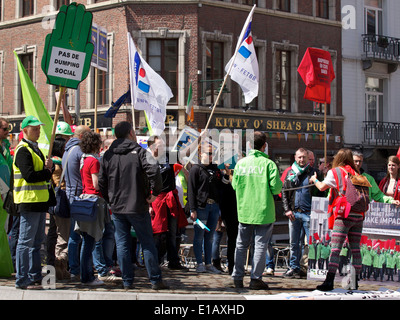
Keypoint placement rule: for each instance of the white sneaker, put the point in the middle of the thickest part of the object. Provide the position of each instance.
(211, 269)
(269, 272)
(109, 277)
(201, 268)
(95, 282)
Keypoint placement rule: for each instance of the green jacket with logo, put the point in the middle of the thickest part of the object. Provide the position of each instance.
(256, 180)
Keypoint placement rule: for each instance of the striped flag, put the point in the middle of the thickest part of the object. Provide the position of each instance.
(189, 106)
(243, 66)
(148, 90)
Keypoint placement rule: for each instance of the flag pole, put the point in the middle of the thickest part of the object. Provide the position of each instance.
(325, 142)
(53, 133)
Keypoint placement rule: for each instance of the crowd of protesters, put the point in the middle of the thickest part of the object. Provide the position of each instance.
(144, 203)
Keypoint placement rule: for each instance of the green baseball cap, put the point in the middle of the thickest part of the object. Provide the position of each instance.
(64, 128)
(31, 121)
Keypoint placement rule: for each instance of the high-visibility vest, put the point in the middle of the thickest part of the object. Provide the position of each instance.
(182, 179)
(29, 192)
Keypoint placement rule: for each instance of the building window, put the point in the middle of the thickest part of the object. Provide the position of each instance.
(27, 61)
(28, 7)
(103, 83)
(163, 58)
(282, 80)
(214, 72)
(284, 5)
(373, 16)
(322, 9)
(374, 99)
(60, 3)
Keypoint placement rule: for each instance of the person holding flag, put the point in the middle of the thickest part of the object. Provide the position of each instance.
(32, 172)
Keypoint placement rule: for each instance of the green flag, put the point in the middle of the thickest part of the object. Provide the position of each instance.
(34, 106)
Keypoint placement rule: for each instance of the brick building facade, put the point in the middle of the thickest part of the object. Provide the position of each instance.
(191, 41)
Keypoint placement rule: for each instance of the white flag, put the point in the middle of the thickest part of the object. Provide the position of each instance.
(244, 70)
(149, 92)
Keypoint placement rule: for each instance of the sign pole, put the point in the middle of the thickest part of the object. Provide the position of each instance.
(95, 98)
(53, 133)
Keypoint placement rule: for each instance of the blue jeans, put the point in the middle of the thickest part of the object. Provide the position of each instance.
(216, 245)
(269, 262)
(103, 250)
(73, 250)
(87, 273)
(209, 216)
(31, 236)
(297, 229)
(262, 235)
(144, 232)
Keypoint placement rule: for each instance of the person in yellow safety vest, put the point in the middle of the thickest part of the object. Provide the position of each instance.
(31, 194)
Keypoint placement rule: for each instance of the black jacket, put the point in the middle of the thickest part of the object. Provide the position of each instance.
(128, 175)
(203, 183)
(288, 197)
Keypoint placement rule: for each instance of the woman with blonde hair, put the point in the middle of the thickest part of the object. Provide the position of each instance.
(343, 226)
(390, 185)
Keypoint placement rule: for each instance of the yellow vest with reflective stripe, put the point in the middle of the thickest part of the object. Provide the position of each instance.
(27, 192)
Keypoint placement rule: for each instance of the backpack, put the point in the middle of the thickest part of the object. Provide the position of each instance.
(355, 191)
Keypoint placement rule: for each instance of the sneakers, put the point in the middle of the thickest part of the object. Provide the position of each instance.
(292, 273)
(109, 277)
(269, 272)
(211, 269)
(201, 268)
(95, 282)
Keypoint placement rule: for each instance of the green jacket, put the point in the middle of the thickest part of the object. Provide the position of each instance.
(325, 252)
(379, 259)
(375, 193)
(256, 180)
(366, 256)
(390, 261)
(312, 252)
(6, 162)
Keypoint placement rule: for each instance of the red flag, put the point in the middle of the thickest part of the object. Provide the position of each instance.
(398, 153)
(177, 168)
(327, 237)
(316, 236)
(317, 72)
(392, 243)
(363, 239)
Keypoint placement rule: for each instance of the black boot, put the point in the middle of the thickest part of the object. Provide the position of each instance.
(327, 285)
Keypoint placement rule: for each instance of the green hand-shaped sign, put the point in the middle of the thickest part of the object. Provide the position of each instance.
(68, 50)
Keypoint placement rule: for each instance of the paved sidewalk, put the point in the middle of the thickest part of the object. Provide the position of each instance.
(183, 286)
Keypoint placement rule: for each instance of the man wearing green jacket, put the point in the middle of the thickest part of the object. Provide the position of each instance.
(256, 180)
(374, 192)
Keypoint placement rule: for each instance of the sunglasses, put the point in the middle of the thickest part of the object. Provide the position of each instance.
(6, 128)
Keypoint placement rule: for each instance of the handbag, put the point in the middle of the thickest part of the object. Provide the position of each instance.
(84, 209)
(62, 207)
(9, 204)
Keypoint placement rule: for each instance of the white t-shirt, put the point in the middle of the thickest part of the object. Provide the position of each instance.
(330, 180)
